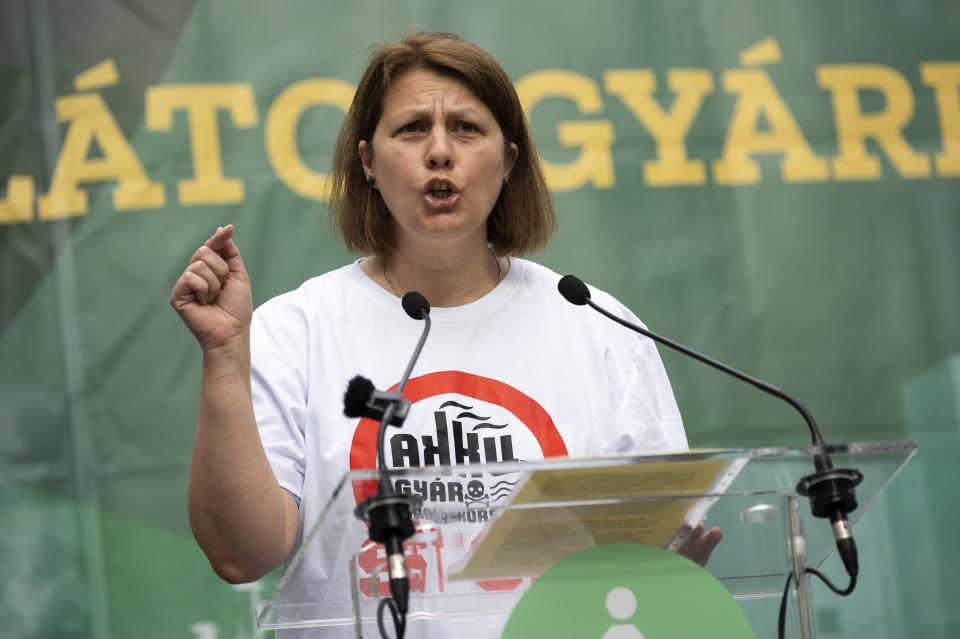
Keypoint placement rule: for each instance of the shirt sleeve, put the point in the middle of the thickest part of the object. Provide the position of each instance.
(278, 380)
(649, 409)
(645, 413)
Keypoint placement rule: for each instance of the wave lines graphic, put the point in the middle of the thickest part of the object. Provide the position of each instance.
(488, 426)
(472, 416)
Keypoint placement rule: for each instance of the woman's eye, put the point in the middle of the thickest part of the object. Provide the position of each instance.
(467, 127)
(412, 127)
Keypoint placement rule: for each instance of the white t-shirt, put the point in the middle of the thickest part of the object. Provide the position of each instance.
(520, 374)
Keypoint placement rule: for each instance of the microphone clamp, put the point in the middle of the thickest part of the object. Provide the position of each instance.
(362, 399)
(390, 521)
(379, 401)
(832, 494)
(831, 491)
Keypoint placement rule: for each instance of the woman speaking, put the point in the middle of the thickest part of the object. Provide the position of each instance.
(437, 183)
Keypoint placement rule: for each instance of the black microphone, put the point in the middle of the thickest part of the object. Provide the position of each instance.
(363, 400)
(415, 305)
(389, 515)
(831, 491)
(359, 391)
(573, 290)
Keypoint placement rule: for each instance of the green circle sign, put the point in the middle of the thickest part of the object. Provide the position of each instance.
(627, 591)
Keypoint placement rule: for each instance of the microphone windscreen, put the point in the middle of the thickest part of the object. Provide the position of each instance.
(573, 290)
(415, 304)
(359, 391)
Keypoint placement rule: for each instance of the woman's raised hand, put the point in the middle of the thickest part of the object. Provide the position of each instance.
(212, 296)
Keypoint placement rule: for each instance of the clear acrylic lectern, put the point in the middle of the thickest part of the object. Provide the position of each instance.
(331, 586)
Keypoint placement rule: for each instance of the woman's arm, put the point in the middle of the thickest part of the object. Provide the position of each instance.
(242, 519)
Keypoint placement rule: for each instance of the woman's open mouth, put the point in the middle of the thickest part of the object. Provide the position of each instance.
(441, 194)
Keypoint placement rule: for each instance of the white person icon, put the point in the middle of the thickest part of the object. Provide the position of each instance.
(622, 604)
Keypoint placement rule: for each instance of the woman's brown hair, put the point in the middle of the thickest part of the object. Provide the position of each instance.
(522, 219)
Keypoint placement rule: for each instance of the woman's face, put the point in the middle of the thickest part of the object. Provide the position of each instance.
(438, 158)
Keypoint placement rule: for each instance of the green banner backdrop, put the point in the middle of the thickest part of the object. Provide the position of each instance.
(773, 182)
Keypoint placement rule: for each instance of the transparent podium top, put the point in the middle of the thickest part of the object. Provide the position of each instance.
(514, 512)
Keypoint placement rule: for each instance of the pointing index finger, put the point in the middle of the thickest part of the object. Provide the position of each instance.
(222, 242)
(220, 237)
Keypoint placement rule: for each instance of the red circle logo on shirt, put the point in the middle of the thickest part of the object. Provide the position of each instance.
(363, 450)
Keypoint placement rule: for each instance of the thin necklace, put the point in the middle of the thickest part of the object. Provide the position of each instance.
(383, 266)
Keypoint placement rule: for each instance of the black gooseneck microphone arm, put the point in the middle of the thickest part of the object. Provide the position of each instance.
(576, 292)
(831, 491)
(417, 307)
(389, 515)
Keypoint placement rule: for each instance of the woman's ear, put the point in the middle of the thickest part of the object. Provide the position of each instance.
(366, 158)
(510, 158)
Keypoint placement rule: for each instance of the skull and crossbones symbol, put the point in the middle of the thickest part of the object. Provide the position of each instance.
(476, 494)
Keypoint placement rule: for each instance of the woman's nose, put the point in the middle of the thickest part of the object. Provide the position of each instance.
(439, 152)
